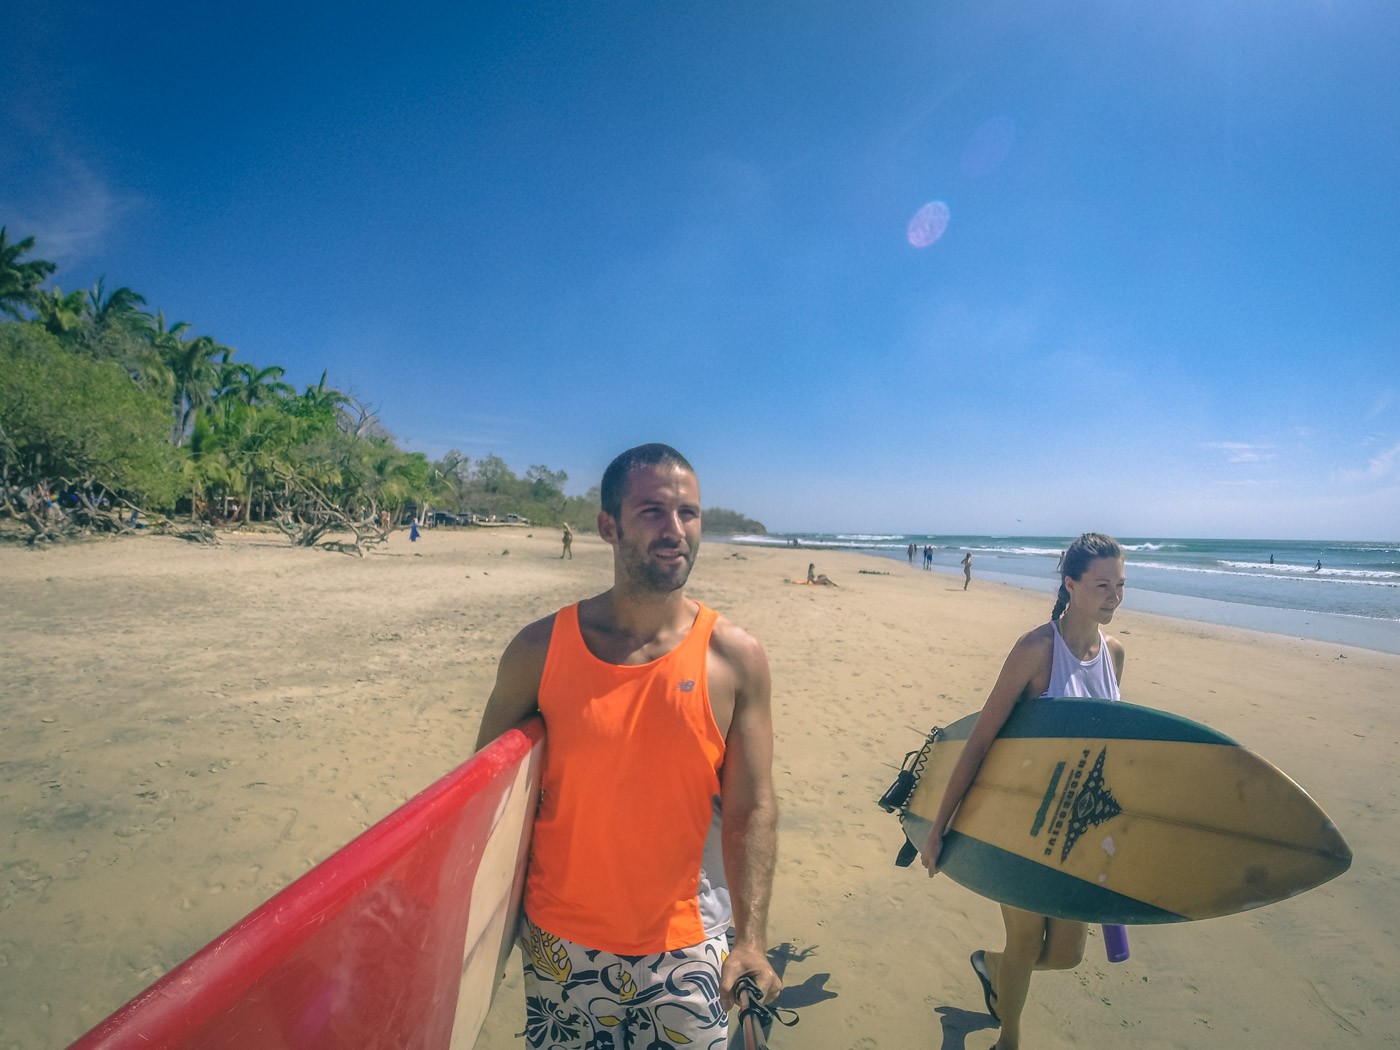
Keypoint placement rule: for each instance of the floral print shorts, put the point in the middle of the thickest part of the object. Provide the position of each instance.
(579, 998)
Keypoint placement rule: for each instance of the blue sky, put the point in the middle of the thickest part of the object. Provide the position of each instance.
(1166, 300)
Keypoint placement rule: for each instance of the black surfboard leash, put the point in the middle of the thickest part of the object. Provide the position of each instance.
(755, 1019)
(896, 797)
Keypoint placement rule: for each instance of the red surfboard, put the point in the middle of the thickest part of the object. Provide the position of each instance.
(396, 941)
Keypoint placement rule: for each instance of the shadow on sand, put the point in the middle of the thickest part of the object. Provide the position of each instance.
(958, 1024)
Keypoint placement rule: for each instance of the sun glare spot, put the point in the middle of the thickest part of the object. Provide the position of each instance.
(928, 224)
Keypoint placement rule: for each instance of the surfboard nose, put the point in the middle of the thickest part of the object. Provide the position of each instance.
(1337, 851)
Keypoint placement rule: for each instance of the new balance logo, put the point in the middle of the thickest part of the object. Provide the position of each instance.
(687, 686)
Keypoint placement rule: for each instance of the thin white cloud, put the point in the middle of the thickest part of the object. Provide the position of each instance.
(78, 207)
(1240, 483)
(1382, 467)
(1242, 452)
(1382, 402)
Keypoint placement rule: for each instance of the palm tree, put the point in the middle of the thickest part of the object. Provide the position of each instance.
(261, 386)
(63, 315)
(119, 311)
(20, 281)
(194, 375)
(321, 400)
(257, 446)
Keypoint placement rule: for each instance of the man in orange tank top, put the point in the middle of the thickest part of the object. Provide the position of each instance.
(657, 827)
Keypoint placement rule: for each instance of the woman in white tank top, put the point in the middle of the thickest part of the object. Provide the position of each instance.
(1068, 657)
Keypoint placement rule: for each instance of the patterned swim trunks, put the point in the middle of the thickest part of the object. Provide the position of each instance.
(579, 998)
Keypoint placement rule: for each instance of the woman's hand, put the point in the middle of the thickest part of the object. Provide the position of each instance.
(929, 854)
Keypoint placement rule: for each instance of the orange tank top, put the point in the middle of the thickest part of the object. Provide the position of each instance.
(630, 792)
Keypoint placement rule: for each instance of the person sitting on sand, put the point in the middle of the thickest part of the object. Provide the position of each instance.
(814, 578)
(1068, 657)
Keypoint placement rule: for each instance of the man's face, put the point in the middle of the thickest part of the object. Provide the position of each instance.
(657, 534)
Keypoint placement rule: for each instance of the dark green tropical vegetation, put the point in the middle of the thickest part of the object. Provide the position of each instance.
(725, 522)
(113, 417)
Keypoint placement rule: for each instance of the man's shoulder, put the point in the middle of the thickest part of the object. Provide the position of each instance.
(533, 636)
(735, 644)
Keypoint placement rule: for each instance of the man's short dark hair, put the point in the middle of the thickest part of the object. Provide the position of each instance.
(615, 477)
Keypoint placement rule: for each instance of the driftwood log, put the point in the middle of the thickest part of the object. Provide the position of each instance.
(308, 518)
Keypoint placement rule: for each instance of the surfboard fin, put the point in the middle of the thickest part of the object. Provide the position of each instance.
(906, 856)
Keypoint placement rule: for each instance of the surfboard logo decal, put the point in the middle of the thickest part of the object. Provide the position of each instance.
(1085, 803)
(1047, 800)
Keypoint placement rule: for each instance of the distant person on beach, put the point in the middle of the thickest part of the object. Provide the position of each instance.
(1318, 567)
(814, 578)
(413, 532)
(1271, 559)
(967, 569)
(657, 827)
(928, 557)
(911, 554)
(1068, 657)
(568, 543)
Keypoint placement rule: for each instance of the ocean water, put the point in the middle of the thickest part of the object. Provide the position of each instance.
(1268, 585)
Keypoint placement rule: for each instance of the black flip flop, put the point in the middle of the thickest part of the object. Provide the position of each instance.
(979, 967)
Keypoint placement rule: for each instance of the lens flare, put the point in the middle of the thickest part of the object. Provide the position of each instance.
(928, 224)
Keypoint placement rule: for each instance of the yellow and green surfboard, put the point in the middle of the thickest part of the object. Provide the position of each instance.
(1114, 813)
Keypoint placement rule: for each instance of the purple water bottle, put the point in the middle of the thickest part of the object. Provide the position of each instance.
(1115, 941)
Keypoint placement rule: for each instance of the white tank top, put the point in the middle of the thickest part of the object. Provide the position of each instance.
(1087, 679)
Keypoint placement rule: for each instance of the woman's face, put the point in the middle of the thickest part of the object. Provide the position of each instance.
(1098, 592)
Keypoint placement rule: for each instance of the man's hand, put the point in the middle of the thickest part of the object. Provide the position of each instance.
(747, 961)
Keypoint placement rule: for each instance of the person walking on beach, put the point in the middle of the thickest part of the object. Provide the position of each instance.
(568, 543)
(1068, 657)
(657, 789)
(967, 569)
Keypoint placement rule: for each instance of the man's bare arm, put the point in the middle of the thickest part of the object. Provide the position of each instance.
(750, 817)
(516, 695)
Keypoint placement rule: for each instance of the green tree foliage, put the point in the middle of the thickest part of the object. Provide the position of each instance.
(90, 381)
(20, 280)
(62, 315)
(490, 488)
(581, 512)
(721, 521)
(68, 421)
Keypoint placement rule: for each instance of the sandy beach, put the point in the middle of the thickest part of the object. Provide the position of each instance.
(187, 729)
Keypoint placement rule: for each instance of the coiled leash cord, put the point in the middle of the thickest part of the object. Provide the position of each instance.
(755, 1019)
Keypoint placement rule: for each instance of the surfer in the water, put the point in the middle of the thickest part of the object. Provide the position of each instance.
(658, 768)
(1068, 657)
